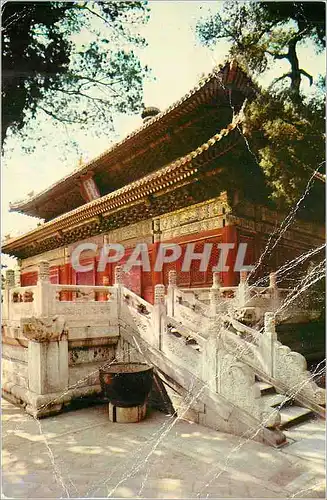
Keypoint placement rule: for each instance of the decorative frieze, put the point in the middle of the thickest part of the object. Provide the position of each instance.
(135, 232)
(53, 256)
(197, 218)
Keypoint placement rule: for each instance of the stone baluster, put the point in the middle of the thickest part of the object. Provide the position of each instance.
(215, 294)
(159, 294)
(159, 313)
(171, 292)
(118, 283)
(243, 290)
(9, 284)
(103, 296)
(274, 293)
(43, 271)
(10, 278)
(267, 343)
(45, 301)
(243, 276)
(118, 275)
(210, 355)
(17, 277)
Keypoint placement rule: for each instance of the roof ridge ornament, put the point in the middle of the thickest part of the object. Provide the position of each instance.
(149, 112)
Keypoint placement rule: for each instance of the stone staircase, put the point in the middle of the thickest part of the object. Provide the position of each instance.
(289, 393)
(291, 414)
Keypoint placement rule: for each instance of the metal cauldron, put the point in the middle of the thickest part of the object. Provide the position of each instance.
(126, 384)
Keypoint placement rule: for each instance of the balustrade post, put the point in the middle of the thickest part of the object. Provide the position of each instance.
(210, 355)
(118, 275)
(47, 355)
(215, 294)
(17, 277)
(44, 306)
(10, 278)
(274, 293)
(243, 290)
(159, 314)
(103, 296)
(172, 285)
(267, 343)
(118, 283)
(9, 283)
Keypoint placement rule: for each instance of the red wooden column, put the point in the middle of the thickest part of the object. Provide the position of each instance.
(157, 277)
(65, 279)
(229, 235)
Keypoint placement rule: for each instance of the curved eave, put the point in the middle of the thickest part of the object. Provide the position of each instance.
(173, 174)
(219, 79)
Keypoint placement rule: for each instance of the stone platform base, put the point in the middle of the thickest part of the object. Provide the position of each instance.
(126, 415)
(40, 406)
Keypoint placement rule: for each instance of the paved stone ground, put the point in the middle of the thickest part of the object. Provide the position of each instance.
(80, 454)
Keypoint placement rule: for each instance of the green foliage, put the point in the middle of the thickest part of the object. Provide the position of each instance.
(289, 142)
(73, 61)
(285, 129)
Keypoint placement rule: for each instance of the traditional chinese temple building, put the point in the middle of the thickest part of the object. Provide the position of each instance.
(186, 175)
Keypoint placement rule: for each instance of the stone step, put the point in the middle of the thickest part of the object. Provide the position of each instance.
(265, 388)
(292, 415)
(275, 399)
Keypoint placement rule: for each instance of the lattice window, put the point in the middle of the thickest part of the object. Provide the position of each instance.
(197, 277)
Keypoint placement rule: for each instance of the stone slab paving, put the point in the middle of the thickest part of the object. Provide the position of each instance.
(80, 454)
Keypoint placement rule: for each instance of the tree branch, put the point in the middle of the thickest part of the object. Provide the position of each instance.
(63, 120)
(277, 56)
(276, 80)
(78, 93)
(304, 73)
(84, 7)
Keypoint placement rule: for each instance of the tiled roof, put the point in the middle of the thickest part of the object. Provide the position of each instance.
(224, 74)
(165, 177)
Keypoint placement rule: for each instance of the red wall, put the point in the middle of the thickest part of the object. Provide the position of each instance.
(142, 283)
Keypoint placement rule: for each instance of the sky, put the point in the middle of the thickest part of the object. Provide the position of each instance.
(177, 62)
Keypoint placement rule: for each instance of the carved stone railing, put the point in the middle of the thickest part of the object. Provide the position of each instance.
(190, 336)
(135, 312)
(191, 350)
(83, 293)
(201, 294)
(284, 368)
(193, 314)
(176, 313)
(86, 304)
(258, 349)
(19, 301)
